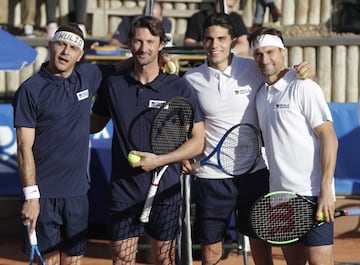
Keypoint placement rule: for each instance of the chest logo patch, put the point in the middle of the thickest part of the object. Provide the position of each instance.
(243, 91)
(155, 104)
(82, 95)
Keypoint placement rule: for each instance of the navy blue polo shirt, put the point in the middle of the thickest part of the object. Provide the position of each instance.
(128, 103)
(59, 110)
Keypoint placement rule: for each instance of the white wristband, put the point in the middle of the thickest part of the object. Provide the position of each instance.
(31, 192)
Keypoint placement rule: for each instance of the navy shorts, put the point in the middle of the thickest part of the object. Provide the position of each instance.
(320, 236)
(62, 225)
(216, 200)
(163, 223)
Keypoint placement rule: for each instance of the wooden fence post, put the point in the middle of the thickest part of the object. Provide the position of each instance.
(301, 12)
(12, 81)
(295, 55)
(325, 11)
(323, 70)
(288, 12)
(339, 73)
(310, 56)
(314, 12)
(352, 74)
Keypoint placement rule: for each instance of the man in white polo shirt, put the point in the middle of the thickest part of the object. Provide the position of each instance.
(300, 142)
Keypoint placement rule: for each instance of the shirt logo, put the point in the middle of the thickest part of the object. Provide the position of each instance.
(82, 95)
(243, 91)
(282, 106)
(156, 104)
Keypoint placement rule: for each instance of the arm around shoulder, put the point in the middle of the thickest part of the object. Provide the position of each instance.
(97, 122)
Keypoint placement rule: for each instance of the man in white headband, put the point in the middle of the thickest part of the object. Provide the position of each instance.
(52, 116)
(70, 37)
(300, 142)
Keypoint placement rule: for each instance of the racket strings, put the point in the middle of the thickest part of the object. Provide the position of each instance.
(172, 126)
(240, 150)
(281, 219)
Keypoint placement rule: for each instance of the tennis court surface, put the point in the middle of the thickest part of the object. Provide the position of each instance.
(346, 252)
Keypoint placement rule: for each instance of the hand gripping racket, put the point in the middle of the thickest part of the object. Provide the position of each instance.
(34, 249)
(283, 217)
(237, 152)
(171, 127)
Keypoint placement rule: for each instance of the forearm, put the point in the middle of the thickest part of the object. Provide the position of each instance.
(26, 164)
(329, 147)
(97, 122)
(191, 42)
(191, 148)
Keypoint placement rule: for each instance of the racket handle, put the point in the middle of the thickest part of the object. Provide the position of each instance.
(353, 212)
(32, 236)
(144, 217)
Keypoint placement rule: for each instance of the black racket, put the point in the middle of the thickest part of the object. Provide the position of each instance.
(171, 127)
(34, 249)
(283, 217)
(237, 152)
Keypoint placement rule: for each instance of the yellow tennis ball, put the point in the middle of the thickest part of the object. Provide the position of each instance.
(302, 75)
(322, 216)
(170, 68)
(132, 158)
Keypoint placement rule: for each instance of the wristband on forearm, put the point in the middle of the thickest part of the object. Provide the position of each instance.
(31, 192)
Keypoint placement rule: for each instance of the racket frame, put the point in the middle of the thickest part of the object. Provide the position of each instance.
(158, 173)
(217, 151)
(315, 223)
(34, 248)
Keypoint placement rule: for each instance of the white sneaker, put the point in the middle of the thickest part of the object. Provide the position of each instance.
(29, 31)
(51, 29)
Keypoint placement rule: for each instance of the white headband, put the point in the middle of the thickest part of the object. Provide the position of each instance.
(267, 40)
(69, 36)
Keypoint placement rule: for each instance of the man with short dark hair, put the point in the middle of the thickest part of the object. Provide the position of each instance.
(194, 31)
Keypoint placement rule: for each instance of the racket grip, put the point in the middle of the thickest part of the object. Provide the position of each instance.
(144, 217)
(32, 236)
(353, 212)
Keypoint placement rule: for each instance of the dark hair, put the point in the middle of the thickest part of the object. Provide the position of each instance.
(73, 28)
(219, 19)
(153, 24)
(253, 37)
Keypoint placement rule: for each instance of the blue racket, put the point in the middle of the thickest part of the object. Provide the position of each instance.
(34, 249)
(237, 152)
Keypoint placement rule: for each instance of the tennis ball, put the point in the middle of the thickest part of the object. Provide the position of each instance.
(170, 68)
(302, 75)
(322, 216)
(132, 158)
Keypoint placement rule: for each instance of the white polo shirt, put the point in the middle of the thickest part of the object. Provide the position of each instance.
(288, 111)
(226, 98)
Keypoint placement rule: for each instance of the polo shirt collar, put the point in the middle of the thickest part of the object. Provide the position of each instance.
(155, 85)
(57, 79)
(284, 81)
(214, 72)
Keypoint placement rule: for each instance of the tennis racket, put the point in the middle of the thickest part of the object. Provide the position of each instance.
(171, 127)
(34, 249)
(283, 217)
(237, 152)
